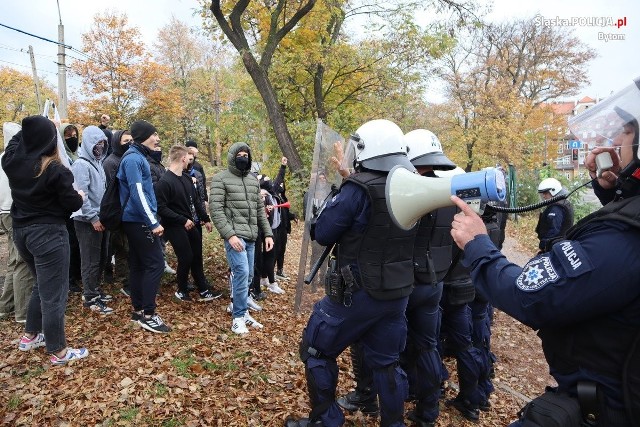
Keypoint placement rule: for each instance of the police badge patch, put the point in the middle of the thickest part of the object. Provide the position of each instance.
(537, 274)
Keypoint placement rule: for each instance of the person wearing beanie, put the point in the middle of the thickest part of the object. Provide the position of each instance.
(43, 198)
(141, 225)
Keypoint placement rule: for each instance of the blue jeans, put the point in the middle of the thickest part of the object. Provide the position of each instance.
(45, 249)
(241, 264)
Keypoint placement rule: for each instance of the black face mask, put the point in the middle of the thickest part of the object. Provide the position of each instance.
(156, 155)
(72, 143)
(242, 163)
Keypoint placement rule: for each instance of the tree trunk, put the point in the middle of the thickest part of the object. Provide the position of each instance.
(276, 116)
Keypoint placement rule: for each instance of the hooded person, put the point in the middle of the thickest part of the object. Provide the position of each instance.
(71, 138)
(90, 178)
(237, 212)
(119, 145)
(43, 198)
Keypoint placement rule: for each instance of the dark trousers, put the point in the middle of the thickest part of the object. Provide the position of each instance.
(187, 245)
(255, 286)
(421, 359)
(280, 247)
(381, 328)
(457, 325)
(267, 268)
(74, 253)
(146, 265)
(92, 245)
(45, 249)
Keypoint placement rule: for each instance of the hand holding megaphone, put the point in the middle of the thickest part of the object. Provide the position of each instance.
(466, 224)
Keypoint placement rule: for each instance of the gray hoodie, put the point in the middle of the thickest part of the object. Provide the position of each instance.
(89, 175)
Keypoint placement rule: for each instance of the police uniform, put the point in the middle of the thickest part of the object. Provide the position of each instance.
(379, 256)
(584, 299)
(554, 221)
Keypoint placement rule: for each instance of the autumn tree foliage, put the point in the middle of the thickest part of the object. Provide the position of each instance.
(497, 80)
(18, 96)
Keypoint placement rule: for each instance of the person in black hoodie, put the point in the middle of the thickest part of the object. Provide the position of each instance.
(193, 149)
(43, 199)
(118, 245)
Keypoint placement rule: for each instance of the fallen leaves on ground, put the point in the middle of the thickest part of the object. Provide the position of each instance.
(201, 374)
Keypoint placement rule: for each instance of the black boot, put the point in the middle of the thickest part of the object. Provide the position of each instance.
(417, 420)
(302, 422)
(364, 401)
(466, 408)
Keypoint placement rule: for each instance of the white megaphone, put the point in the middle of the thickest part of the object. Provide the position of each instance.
(411, 196)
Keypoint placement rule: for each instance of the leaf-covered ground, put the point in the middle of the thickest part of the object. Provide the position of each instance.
(203, 375)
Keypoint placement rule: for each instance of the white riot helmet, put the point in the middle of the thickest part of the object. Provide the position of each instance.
(424, 149)
(379, 145)
(551, 185)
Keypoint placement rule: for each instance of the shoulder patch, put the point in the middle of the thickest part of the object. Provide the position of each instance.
(572, 257)
(537, 274)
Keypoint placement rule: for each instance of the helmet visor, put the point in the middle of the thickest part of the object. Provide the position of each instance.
(600, 124)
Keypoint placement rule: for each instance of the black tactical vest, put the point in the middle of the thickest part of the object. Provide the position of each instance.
(384, 252)
(604, 345)
(567, 221)
(432, 254)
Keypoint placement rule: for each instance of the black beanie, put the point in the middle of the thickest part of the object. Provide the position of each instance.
(39, 135)
(141, 130)
(191, 143)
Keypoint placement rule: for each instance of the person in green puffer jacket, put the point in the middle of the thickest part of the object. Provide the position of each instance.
(237, 211)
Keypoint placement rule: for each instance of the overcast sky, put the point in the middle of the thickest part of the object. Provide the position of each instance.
(617, 65)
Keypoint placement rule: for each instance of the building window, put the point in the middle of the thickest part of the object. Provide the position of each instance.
(566, 160)
(560, 148)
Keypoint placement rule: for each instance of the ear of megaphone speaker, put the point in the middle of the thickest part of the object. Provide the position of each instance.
(411, 196)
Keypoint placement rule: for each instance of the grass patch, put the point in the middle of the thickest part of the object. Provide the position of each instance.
(129, 414)
(32, 373)
(183, 365)
(160, 389)
(14, 402)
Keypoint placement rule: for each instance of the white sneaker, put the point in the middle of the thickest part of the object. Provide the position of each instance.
(230, 308)
(168, 269)
(273, 287)
(238, 326)
(250, 321)
(252, 304)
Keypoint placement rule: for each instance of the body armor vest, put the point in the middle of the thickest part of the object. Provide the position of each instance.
(567, 221)
(384, 252)
(432, 254)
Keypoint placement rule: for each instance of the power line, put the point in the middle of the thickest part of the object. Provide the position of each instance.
(25, 66)
(38, 37)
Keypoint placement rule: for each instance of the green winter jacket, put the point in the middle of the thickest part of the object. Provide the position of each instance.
(234, 201)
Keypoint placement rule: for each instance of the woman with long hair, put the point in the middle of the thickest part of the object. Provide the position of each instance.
(43, 198)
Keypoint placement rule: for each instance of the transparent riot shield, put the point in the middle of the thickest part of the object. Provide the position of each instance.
(324, 179)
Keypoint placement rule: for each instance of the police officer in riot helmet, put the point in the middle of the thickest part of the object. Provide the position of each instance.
(555, 219)
(432, 259)
(582, 295)
(368, 284)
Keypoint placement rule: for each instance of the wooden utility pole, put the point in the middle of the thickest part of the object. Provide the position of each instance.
(62, 71)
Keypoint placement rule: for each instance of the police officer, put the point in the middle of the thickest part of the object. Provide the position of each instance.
(582, 295)
(556, 218)
(432, 258)
(368, 285)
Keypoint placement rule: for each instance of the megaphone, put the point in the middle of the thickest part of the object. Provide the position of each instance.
(410, 196)
(283, 205)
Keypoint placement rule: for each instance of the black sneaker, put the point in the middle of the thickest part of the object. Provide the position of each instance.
(74, 288)
(154, 323)
(183, 296)
(209, 295)
(98, 305)
(136, 316)
(365, 402)
(419, 421)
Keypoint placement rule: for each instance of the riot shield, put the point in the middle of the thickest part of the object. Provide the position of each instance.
(324, 178)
